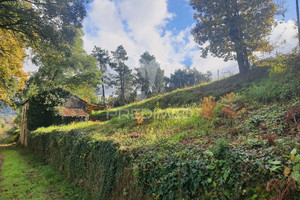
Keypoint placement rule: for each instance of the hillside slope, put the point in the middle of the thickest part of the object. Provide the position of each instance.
(242, 146)
(188, 96)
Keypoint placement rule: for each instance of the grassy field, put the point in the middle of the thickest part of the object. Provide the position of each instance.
(22, 176)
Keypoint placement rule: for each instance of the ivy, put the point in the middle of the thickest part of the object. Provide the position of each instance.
(171, 172)
(43, 109)
(91, 163)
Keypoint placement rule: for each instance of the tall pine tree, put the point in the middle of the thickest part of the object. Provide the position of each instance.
(103, 59)
(123, 78)
(150, 77)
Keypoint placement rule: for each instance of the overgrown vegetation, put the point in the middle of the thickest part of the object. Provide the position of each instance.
(233, 149)
(44, 109)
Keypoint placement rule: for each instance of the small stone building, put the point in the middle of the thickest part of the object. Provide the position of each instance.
(54, 107)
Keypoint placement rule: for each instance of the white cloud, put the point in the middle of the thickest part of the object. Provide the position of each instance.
(137, 25)
(284, 36)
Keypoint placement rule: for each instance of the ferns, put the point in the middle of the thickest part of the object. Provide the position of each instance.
(229, 98)
(208, 107)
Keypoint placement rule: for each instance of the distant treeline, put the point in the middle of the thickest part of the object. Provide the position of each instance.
(145, 81)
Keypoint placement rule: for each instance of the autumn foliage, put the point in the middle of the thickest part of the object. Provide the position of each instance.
(139, 118)
(208, 106)
(229, 98)
(12, 76)
(229, 109)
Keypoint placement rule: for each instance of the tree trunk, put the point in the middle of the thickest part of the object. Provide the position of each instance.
(122, 80)
(103, 90)
(243, 62)
(102, 79)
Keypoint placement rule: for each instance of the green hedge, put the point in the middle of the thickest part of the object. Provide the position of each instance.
(94, 164)
(164, 170)
(223, 172)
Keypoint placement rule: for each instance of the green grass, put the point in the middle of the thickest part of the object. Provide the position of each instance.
(189, 96)
(24, 177)
(178, 124)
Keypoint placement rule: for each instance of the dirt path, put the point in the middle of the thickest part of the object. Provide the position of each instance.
(23, 177)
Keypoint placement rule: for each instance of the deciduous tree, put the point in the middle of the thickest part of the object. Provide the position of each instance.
(12, 76)
(42, 21)
(233, 29)
(40, 25)
(69, 67)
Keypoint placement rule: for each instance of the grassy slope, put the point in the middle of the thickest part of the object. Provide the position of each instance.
(180, 135)
(23, 177)
(187, 96)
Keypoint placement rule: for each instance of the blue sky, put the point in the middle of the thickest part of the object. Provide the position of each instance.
(184, 13)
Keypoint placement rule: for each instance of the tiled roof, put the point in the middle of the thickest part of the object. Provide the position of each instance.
(67, 112)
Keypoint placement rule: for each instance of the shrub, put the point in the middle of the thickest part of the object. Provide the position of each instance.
(173, 171)
(207, 107)
(139, 118)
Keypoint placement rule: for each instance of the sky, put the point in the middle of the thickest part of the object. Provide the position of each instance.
(162, 27)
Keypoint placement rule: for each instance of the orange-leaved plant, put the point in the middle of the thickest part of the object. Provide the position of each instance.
(229, 98)
(139, 118)
(231, 111)
(207, 107)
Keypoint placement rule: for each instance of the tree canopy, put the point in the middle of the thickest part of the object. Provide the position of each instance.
(69, 67)
(187, 77)
(149, 76)
(39, 25)
(42, 21)
(233, 29)
(12, 76)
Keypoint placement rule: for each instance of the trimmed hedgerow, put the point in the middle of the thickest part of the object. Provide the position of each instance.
(92, 163)
(163, 170)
